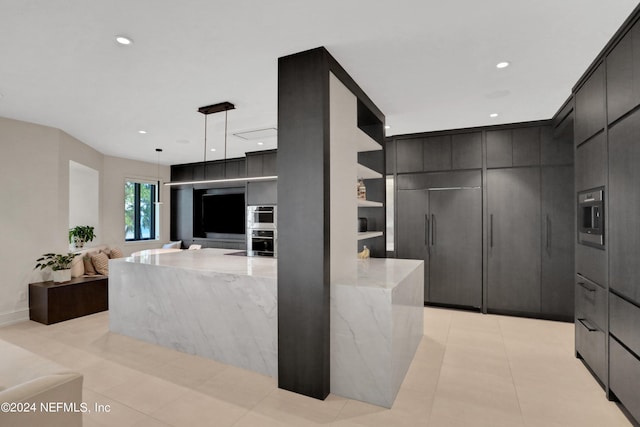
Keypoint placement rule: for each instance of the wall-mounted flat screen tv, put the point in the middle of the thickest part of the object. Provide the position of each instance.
(223, 213)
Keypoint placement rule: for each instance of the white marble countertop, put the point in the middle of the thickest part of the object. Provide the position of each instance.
(216, 260)
(383, 273)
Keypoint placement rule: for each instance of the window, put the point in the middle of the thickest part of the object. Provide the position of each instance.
(139, 211)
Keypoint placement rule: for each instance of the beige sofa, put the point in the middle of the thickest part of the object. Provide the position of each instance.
(28, 378)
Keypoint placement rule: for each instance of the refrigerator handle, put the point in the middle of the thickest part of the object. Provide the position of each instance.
(491, 230)
(433, 230)
(426, 229)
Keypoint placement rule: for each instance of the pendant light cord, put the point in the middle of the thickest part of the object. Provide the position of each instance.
(204, 157)
(225, 142)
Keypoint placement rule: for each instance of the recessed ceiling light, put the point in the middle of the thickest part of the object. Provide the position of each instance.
(503, 64)
(142, 131)
(260, 143)
(387, 127)
(124, 40)
(213, 149)
(493, 115)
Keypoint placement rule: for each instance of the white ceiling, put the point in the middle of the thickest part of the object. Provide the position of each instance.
(427, 64)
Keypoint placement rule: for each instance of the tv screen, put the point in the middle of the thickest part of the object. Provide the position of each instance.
(223, 213)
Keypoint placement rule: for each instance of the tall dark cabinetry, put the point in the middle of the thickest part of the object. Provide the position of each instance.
(514, 240)
(558, 231)
(520, 235)
(443, 227)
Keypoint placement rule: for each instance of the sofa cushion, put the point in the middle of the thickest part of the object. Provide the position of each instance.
(77, 267)
(101, 263)
(116, 253)
(88, 265)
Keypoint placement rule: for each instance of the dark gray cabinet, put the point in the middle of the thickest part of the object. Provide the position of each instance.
(558, 228)
(409, 155)
(526, 146)
(623, 75)
(514, 240)
(466, 151)
(182, 214)
(513, 147)
(437, 153)
(413, 218)
(590, 107)
(262, 193)
(624, 376)
(499, 149)
(624, 206)
(591, 164)
(261, 163)
(455, 247)
(443, 228)
(556, 146)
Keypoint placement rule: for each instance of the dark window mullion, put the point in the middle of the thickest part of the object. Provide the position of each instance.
(136, 212)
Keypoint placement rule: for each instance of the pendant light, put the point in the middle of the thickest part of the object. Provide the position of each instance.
(158, 150)
(210, 109)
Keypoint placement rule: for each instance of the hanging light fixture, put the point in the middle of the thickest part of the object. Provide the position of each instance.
(210, 109)
(158, 150)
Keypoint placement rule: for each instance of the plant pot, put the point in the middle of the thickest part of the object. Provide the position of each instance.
(78, 243)
(60, 276)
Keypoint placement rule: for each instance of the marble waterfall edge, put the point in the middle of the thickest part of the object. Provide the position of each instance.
(231, 318)
(376, 327)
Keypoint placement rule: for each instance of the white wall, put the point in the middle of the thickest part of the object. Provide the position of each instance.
(34, 197)
(84, 197)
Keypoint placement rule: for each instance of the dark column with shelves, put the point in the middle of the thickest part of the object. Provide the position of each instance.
(304, 225)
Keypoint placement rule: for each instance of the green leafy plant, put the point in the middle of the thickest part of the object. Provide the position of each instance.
(55, 261)
(83, 233)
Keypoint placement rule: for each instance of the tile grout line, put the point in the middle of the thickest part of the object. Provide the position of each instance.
(513, 382)
(435, 392)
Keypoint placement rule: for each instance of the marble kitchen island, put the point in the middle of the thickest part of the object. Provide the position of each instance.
(224, 307)
(204, 302)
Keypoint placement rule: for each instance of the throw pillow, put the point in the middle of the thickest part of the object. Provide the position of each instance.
(88, 265)
(116, 253)
(101, 263)
(77, 266)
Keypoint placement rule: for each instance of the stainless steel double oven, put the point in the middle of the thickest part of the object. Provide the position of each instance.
(262, 236)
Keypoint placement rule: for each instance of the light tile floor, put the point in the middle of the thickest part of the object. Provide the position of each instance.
(469, 370)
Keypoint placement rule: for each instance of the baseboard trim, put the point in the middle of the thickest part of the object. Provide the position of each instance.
(15, 317)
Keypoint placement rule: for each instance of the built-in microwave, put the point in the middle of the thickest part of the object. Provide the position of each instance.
(591, 217)
(264, 217)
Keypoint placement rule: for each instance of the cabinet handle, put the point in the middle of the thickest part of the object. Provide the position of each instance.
(584, 285)
(433, 230)
(587, 325)
(426, 230)
(491, 230)
(548, 232)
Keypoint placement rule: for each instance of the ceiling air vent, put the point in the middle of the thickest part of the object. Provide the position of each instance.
(258, 134)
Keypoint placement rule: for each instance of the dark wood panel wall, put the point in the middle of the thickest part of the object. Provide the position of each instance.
(545, 149)
(183, 226)
(607, 140)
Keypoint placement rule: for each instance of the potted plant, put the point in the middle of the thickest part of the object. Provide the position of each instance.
(81, 234)
(60, 264)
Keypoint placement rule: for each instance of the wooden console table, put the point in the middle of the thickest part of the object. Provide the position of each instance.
(51, 302)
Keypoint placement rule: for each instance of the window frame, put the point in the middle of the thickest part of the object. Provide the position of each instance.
(153, 224)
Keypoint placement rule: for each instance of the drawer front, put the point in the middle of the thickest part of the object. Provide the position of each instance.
(590, 343)
(624, 377)
(591, 302)
(625, 322)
